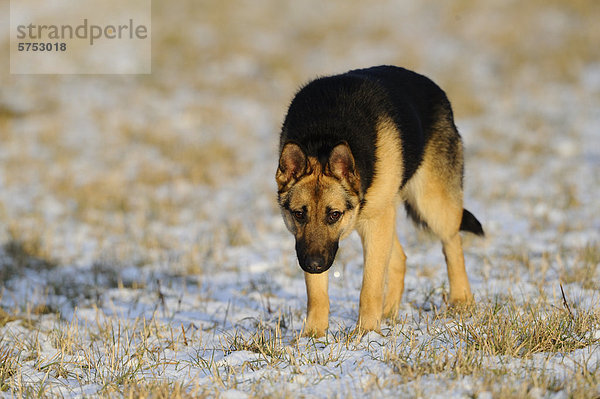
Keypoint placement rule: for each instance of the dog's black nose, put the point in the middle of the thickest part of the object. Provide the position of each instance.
(316, 264)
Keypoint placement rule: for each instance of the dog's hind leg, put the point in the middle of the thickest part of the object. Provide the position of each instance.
(460, 291)
(434, 196)
(317, 319)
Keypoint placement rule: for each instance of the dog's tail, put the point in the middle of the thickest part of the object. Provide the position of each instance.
(468, 223)
(471, 224)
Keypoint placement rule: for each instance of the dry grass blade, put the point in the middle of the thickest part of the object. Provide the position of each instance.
(565, 303)
(9, 364)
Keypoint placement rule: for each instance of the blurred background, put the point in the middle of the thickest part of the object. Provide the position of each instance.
(174, 170)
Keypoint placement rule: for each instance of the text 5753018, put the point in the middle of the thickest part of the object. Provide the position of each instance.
(44, 46)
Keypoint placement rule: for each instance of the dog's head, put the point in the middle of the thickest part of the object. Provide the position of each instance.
(319, 201)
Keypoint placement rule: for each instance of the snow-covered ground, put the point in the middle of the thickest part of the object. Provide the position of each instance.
(142, 251)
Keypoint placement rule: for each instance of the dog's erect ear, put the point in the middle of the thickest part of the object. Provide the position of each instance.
(341, 162)
(292, 163)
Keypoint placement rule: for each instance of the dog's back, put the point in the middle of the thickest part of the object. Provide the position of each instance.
(348, 107)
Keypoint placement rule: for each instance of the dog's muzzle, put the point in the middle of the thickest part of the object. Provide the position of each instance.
(318, 262)
(315, 265)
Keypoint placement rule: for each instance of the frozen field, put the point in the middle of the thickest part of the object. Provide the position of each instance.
(142, 253)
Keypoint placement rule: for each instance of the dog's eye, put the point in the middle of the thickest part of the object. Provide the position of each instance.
(299, 215)
(334, 216)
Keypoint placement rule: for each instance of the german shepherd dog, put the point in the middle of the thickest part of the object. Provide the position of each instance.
(351, 147)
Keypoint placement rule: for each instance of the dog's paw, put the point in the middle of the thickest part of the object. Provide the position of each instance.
(315, 329)
(461, 301)
(368, 323)
(314, 332)
(461, 306)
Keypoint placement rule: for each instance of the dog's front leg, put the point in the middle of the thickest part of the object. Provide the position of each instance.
(317, 318)
(377, 234)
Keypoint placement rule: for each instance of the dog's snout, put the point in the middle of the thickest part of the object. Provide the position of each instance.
(316, 264)
(315, 260)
